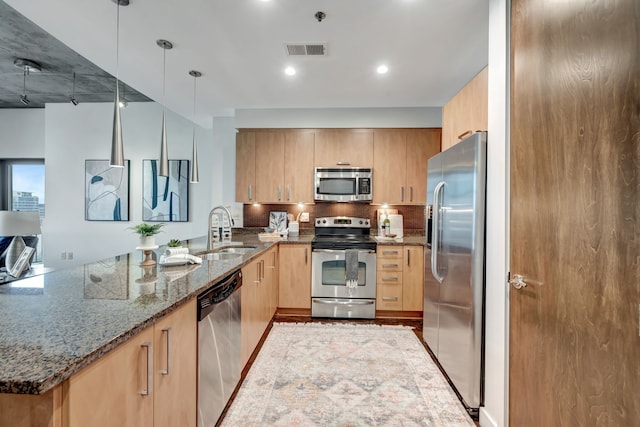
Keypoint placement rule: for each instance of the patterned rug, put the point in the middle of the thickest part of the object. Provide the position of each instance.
(343, 375)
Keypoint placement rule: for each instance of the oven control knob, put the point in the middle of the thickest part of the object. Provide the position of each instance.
(324, 221)
(361, 222)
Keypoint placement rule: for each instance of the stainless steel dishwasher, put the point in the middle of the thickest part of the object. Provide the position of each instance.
(218, 347)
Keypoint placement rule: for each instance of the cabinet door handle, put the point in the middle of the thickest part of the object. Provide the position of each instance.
(389, 265)
(306, 256)
(168, 354)
(465, 134)
(273, 266)
(263, 275)
(258, 264)
(408, 257)
(389, 298)
(402, 194)
(389, 279)
(288, 193)
(411, 193)
(343, 163)
(279, 192)
(250, 192)
(149, 385)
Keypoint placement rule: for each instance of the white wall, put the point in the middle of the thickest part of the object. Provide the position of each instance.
(339, 117)
(74, 134)
(494, 413)
(22, 133)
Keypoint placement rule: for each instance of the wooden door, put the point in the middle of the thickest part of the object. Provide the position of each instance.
(295, 276)
(249, 314)
(389, 166)
(357, 147)
(412, 278)
(575, 208)
(298, 166)
(422, 144)
(270, 167)
(175, 366)
(245, 167)
(326, 149)
(107, 392)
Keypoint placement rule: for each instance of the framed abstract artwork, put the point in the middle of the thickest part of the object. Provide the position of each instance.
(106, 196)
(165, 198)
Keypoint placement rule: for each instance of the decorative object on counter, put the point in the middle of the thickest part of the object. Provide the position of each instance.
(18, 224)
(147, 234)
(165, 198)
(164, 152)
(345, 374)
(278, 221)
(117, 146)
(174, 243)
(106, 196)
(195, 176)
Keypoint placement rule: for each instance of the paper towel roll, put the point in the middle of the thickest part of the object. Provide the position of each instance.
(396, 225)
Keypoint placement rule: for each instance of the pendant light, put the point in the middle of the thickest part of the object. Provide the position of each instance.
(163, 169)
(117, 147)
(195, 177)
(27, 66)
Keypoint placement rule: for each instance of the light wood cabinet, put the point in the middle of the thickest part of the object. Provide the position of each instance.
(298, 166)
(295, 276)
(399, 278)
(259, 295)
(413, 278)
(400, 164)
(466, 112)
(245, 167)
(343, 147)
(274, 166)
(269, 167)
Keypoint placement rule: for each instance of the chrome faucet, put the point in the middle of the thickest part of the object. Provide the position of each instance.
(223, 232)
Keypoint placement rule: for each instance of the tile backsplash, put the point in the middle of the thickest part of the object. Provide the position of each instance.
(258, 215)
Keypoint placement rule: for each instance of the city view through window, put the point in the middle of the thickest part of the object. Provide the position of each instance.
(27, 193)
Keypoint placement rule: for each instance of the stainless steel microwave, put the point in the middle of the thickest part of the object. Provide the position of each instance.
(345, 184)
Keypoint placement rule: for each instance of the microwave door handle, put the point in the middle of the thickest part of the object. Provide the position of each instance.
(435, 232)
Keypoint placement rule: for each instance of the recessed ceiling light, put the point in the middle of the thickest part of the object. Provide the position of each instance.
(382, 69)
(290, 71)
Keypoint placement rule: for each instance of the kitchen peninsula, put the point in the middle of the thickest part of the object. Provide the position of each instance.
(58, 326)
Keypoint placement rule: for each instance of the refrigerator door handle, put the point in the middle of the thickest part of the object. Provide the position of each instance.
(435, 232)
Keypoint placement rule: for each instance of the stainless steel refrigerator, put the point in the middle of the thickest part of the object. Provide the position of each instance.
(453, 322)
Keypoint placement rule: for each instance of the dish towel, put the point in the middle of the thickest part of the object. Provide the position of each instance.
(351, 267)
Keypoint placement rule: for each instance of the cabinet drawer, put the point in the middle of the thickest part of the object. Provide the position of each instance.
(389, 297)
(389, 277)
(389, 252)
(388, 265)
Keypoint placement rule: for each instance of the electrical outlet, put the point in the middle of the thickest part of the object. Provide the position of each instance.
(69, 255)
(63, 255)
(304, 217)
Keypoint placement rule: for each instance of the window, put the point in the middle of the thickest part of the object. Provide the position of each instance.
(24, 189)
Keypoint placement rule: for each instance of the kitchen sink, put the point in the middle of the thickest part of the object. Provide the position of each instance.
(226, 253)
(235, 250)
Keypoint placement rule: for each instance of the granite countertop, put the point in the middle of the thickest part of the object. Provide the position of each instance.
(53, 325)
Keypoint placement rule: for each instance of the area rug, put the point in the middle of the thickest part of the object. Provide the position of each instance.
(315, 374)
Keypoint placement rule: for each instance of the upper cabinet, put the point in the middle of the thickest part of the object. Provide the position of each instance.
(344, 147)
(466, 112)
(400, 164)
(274, 166)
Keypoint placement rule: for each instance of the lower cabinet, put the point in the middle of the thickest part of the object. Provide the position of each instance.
(399, 278)
(148, 381)
(259, 296)
(295, 276)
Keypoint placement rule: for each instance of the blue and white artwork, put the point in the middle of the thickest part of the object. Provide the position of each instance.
(165, 198)
(106, 191)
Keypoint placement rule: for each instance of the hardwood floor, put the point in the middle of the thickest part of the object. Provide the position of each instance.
(416, 324)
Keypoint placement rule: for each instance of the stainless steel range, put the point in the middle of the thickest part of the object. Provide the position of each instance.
(343, 269)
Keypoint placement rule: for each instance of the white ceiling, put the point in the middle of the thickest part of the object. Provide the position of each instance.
(432, 48)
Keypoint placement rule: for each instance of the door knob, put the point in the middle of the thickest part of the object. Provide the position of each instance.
(518, 281)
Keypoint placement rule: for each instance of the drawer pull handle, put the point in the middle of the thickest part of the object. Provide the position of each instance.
(389, 279)
(389, 298)
(389, 252)
(389, 265)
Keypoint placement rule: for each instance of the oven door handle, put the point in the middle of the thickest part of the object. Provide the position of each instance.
(339, 302)
(335, 251)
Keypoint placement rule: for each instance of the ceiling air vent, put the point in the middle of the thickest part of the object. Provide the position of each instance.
(304, 49)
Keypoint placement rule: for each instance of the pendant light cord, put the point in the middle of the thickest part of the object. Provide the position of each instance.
(24, 81)
(117, 41)
(164, 74)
